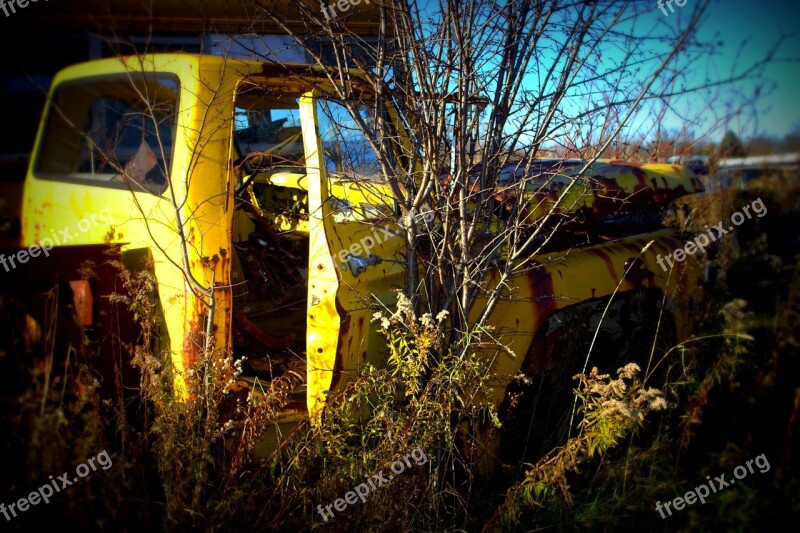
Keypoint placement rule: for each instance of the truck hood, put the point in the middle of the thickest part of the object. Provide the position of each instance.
(607, 187)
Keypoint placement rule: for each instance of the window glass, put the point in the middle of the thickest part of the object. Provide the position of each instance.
(358, 189)
(114, 131)
(346, 149)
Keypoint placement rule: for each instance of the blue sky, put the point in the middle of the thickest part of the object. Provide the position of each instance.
(759, 23)
(744, 31)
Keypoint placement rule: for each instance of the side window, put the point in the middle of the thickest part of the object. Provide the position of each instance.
(346, 149)
(111, 131)
(358, 188)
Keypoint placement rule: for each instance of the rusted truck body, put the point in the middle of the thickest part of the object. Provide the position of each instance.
(236, 180)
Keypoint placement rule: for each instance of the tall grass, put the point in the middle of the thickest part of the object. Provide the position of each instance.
(727, 395)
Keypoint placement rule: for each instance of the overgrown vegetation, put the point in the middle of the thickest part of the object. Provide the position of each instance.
(707, 404)
(728, 396)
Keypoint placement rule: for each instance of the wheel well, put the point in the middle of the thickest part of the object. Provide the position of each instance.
(637, 326)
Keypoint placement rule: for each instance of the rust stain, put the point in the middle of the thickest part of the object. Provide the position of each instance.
(344, 328)
(193, 340)
(541, 284)
(600, 254)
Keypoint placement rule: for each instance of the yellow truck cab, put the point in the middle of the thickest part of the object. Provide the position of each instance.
(271, 234)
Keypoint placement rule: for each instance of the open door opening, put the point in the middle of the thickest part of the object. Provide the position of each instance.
(270, 236)
(317, 241)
